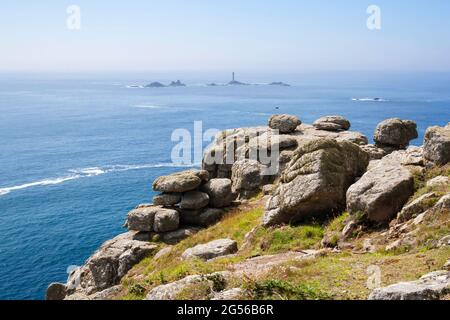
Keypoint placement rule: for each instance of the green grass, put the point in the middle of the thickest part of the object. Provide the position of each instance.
(274, 289)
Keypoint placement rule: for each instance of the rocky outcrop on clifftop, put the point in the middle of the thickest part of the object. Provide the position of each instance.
(307, 173)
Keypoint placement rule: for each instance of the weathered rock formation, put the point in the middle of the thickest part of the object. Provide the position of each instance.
(332, 123)
(320, 169)
(211, 250)
(315, 180)
(105, 268)
(284, 123)
(437, 144)
(219, 192)
(381, 192)
(395, 133)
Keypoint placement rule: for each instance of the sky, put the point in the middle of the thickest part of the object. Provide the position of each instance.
(222, 35)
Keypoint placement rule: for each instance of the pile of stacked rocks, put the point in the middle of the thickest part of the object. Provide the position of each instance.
(187, 200)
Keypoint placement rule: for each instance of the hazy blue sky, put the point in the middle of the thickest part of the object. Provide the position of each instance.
(216, 35)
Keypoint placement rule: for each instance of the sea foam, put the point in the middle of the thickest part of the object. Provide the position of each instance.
(89, 172)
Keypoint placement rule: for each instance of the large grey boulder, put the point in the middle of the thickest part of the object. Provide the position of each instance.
(284, 123)
(430, 287)
(194, 200)
(395, 132)
(142, 218)
(381, 192)
(167, 199)
(219, 192)
(437, 144)
(332, 123)
(315, 181)
(213, 249)
(106, 267)
(181, 181)
(56, 291)
(246, 178)
(166, 220)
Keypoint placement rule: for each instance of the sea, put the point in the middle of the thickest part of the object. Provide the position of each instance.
(78, 151)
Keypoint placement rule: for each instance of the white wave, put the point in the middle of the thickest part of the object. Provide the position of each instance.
(148, 106)
(91, 172)
(45, 182)
(134, 86)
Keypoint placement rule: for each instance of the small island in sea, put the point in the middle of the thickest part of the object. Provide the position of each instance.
(233, 82)
(177, 83)
(279, 83)
(155, 85)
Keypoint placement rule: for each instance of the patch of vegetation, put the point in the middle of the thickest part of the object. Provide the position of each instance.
(287, 238)
(218, 281)
(337, 223)
(344, 276)
(282, 290)
(421, 178)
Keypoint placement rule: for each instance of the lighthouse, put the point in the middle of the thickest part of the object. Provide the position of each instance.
(232, 77)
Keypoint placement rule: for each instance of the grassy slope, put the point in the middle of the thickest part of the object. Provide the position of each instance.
(333, 276)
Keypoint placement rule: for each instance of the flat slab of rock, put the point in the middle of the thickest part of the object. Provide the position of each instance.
(315, 181)
(213, 249)
(395, 132)
(194, 200)
(381, 192)
(284, 123)
(167, 199)
(219, 191)
(181, 181)
(332, 123)
(430, 287)
(437, 144)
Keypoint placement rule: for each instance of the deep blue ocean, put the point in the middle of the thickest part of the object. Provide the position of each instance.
(78, 152)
